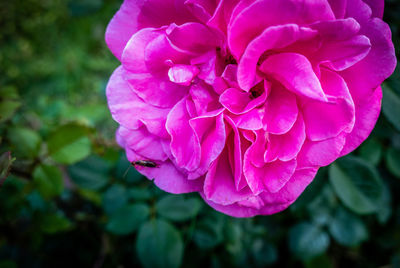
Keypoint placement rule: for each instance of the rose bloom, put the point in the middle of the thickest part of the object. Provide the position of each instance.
(243, 101)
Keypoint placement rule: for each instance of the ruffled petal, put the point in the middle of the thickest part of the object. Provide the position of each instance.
(295, 72)
(326, 120)
(239, 102)
(366, 116)
(194, 37)
(286, 146)
(131, 111)
(219, 184)
(185, 145)
(210, 130)
(261, 14)
(122, 26)
(365, 76)
(143, 143)
(274, 37)
(321, 153)
(280, 110)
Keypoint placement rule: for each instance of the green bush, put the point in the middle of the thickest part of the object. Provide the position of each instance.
(69, 199)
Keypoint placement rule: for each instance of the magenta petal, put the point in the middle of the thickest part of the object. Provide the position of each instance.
(257, 149)
(238, 102)
(366, 116)
(182, 74)
(122, 26)
(338, 7)
(159, 54)
(343, 54)
(131, 111)
(276, 174)
(292, 189)
(169, 179)
(143, 143)
(272, 176)
(210, 130)
(185, 146)
(365, 76)
(335, 30)
(321, 153)
(156, 90)
(251, 120)
(222, 14)
(328, 120)
(280, 110)
(376, 6)
(295, 72)
(133, 56)
(286, 146)
(193, 37)
(204, 98)
(274, 37)
(219, 184)
(261, 14)
(201, 9)
(157, 13)
(236, 151)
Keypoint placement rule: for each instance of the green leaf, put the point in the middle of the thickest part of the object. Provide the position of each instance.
(177, 208)
(54, 223)
(5, 166)
(321, 209)
(8, 109)
(114, 198)
(92, 173)
(371, 151)
(319, 261)
(9, 102)
(69, 144)
(8, 264)
(347, 229)
(48, 181)
(385, 207)
(357, 184)
(393, 161)
(391, 106)
(128, 219)
(209, 231)
(312, 190)
(126, 171)
(140, 194)
(159, 245)
(307, 240)
(263, 253)
(25, 141)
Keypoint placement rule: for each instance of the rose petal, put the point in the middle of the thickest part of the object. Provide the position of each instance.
(210, 130)
(274, 37)
(143, 143)
(219, 184)
(295, 72)
(366, 116)
(182, 74)
(261, 14)
(286, 146)
(131, 111)
(321, 153)
(122, 26)
(280, 110)
(185, 145)
(328, 120)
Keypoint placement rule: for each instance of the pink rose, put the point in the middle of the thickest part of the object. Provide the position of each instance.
(243, 101)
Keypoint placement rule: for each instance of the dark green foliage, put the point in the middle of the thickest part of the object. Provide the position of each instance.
(69, 197)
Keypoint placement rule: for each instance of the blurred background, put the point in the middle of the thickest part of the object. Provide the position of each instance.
(65, 200)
